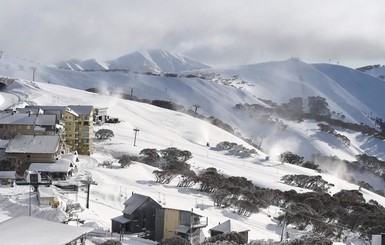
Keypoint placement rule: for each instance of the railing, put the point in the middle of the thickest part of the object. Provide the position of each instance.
(200, 222)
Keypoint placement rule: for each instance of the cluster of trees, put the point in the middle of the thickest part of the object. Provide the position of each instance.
(294, 109)
(329, 130)
(330, 215)
(372, 163)
(317, 110)
(235, 149)
(262, 115)
(380, 123)
(364, 163)
(231, 238)
(172, 163)
(315, 183)
(104, 134)
(168, 105)
(10, 164)
(309, 240)
(295, 159)
(319, 211)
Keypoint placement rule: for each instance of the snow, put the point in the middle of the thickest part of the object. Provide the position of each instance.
(38, 232)
(60, 166)
(160, 128)
(33, 144)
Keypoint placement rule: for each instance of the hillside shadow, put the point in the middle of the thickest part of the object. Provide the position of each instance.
(148, 182)
(230, 214)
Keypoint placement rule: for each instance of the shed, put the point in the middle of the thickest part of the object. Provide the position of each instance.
(7, 177)
(35, 231)
(46, 195)
(229, 226)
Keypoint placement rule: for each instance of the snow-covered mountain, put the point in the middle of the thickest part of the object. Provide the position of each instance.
(377, 71)
(154, 60)
(86, 65)
(160, 129)
(352, 97)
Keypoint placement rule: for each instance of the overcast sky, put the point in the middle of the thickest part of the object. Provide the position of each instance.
(216, 32)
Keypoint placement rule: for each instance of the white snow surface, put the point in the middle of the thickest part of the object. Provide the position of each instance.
(160, 129)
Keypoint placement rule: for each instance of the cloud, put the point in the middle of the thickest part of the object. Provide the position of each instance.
(216, 32)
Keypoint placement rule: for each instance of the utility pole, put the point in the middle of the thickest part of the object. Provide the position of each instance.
(136, 130)
(33, 73)
(30, 202)
(283, 226)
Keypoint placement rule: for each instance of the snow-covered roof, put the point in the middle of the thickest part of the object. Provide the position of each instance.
(60, 166)
(18, 119)
(38, 232)
(82, 109)
(44, 191)
(69, 110)
(47, 108)
(71, 156)
(228, 226)
(33, 144)
(29, 110)
(7, 174)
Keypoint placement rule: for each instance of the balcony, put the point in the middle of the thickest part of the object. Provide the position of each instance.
(200, 222)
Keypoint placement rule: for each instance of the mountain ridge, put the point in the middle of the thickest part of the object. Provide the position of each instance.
(152, 60)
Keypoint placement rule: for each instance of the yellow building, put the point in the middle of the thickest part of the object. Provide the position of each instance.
(78, 124)
(186, 224)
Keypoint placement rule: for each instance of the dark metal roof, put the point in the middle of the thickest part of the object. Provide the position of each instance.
(182, 229)
(122, 220)
(134, 202)
(44, 120)
(82, 109)
(228, 226)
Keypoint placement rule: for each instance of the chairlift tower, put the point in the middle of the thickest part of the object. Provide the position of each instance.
(136, 130)
(33, 73)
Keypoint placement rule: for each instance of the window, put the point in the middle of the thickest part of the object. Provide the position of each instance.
(28, 156)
